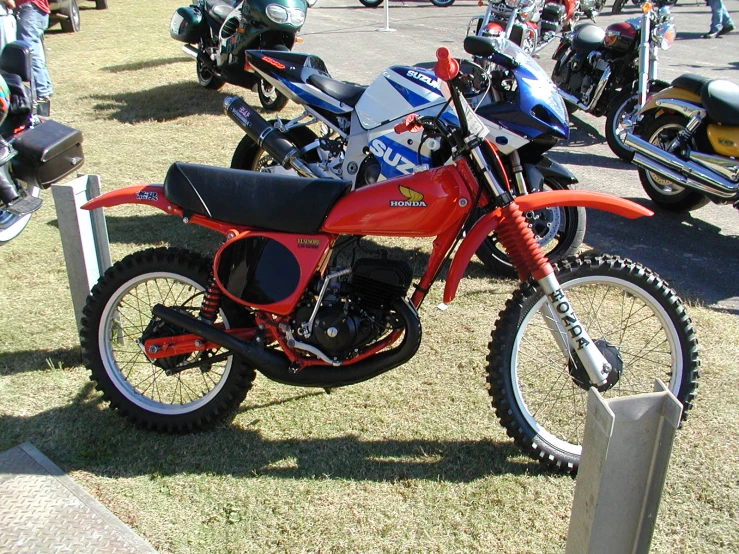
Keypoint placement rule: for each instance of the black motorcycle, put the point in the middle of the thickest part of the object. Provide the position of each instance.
(35, 152)
(217, 33)
(612, 72)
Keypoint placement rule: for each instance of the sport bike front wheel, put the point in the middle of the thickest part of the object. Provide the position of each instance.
(174, 394)
(559, 231)
(636, 320)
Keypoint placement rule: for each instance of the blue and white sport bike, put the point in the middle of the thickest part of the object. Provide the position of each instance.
(356, 141)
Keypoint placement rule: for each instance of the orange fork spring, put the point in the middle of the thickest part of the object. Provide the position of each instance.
(211, 301)
(521, 245)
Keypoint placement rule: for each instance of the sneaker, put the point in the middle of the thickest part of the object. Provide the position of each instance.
(711, 35)
(725, 29)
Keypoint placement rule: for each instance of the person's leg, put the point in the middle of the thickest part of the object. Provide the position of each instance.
(32, 23)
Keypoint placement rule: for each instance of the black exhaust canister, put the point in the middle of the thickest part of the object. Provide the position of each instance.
(260, 131)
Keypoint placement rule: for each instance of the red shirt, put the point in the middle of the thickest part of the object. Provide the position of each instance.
(42, 5)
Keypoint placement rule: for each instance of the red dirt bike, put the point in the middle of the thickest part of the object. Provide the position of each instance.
(173, 339)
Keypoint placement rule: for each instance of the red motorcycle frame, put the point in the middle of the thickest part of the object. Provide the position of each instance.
(447, 193)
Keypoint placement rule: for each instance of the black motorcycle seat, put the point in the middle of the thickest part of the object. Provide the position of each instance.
(691, 82)
(348, 93)
(588, 37)
(218, 9)
(272, 202)
(721, 99)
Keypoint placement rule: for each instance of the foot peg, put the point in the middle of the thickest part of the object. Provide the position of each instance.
(24, 205)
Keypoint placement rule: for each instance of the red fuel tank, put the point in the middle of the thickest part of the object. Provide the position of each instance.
(620, 37)
(420, 205)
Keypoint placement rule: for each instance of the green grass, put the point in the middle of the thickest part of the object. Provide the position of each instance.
(413, 461)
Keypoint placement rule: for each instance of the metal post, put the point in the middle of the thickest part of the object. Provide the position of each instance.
(626, 449)
(387, 19)
(84, 237)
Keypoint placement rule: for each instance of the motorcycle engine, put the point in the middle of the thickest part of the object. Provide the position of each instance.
(354, 313)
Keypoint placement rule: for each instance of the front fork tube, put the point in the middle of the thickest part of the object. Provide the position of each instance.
(515, 160)
(569, 333)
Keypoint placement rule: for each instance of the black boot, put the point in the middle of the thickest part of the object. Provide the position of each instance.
(15, 203)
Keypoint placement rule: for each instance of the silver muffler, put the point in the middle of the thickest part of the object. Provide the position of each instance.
(684, 173)
(190, 50)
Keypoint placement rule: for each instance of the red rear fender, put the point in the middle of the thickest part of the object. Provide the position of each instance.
(530, 202)
(151, 195)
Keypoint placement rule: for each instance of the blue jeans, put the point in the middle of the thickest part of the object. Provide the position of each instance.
(32, 23)
(719, 16)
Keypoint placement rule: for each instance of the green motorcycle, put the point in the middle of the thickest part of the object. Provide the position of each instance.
(217, 33)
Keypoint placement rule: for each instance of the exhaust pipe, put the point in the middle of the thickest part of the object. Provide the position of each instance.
(190, 50)
(276, 366)
(265, 135)
(684, 173)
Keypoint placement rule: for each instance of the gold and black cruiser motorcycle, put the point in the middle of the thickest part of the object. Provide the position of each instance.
(687, 144)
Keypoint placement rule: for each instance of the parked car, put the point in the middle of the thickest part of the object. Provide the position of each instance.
(67, 13)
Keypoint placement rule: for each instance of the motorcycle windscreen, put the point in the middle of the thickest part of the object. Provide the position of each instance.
(540, 110)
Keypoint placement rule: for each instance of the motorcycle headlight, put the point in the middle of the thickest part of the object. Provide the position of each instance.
(280, 14)
(664, 35)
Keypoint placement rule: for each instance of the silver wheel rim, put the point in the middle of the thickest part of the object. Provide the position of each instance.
(557, 411)
(124, 318)
(661, 184)
(268, 91)
(621, 114)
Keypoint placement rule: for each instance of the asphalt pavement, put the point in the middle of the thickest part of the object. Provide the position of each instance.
(698, 253)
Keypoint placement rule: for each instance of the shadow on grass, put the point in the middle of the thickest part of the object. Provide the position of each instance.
(162, 103)
(85, 435)
(146, 64)
(12, 363)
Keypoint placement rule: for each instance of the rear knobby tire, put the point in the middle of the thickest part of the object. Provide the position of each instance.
(559, 230)
(668, 195)
(118, 312)
(534, 393)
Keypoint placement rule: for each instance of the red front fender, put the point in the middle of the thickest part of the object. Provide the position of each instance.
(151, 195)
(530, 202)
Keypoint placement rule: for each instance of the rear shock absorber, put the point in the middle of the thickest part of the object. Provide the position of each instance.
(211, 301)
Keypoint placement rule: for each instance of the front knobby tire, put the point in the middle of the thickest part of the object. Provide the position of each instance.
(626, 307)
(118, 315)
(559, 231)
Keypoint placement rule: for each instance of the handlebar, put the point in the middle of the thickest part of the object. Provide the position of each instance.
(446, 68)
(409, 124)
